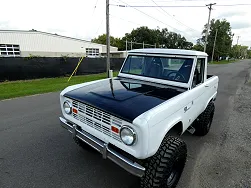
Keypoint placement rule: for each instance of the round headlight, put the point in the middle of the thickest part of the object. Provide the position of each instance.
(67, 107)
(127, 135)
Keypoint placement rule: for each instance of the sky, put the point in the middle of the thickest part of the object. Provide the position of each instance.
(85, 19)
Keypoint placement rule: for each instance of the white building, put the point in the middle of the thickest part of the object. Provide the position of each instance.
(15, 43)
(116, 54)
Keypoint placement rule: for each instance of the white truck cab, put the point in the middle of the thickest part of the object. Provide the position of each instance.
(136, 118)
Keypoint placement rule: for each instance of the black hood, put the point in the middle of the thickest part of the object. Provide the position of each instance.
(124, 99)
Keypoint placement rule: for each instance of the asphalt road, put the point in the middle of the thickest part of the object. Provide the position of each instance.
(36, 152)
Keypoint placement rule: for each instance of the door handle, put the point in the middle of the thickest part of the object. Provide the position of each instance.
(206, 85)
(188, 106)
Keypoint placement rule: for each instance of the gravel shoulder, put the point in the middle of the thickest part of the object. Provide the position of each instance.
(227, 161)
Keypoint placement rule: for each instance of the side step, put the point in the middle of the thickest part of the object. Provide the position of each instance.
(191, 129)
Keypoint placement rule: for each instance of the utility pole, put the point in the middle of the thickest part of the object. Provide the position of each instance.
(230, 49)
(238, 37)
(107, 39)
(238, 53)
(208, 23)
(214, 45)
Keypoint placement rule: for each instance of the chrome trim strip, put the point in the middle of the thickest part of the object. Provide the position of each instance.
(103, 148)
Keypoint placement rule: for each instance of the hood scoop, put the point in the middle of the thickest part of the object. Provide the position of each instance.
(119, 91)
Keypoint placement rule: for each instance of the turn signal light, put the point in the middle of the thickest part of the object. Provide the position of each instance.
(115, 129)
(75, 110)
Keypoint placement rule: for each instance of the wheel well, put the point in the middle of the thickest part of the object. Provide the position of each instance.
(211, 100)
(177, 129)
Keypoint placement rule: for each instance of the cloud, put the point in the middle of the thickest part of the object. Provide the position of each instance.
(4, 25)
(55, 30)
(81, 20)
(240, 24)
(231, 13)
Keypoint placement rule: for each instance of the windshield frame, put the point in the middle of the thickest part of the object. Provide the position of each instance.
(159, 80)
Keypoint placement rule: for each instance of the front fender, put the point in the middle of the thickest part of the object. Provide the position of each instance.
(159, 131)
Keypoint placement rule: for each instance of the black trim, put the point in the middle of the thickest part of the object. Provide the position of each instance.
(161, 78)
(155, 78)
(153, 83)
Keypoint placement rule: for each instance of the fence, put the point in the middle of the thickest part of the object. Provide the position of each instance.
(45, 67)
(138, 45)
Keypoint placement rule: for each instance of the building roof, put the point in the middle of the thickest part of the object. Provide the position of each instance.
(168, 51)
(45, 33)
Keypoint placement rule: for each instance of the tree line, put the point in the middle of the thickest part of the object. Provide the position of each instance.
(220, 32)
(166, 39)
(161, 38)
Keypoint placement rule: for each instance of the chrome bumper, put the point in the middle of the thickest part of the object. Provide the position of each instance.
(103, 148)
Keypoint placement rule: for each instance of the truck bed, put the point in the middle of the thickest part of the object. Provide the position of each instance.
(209, 76)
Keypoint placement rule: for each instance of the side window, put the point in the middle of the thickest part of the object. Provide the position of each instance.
(134, 65)
(198, 77)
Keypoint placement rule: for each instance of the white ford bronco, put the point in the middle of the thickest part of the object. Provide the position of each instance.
(136, 119)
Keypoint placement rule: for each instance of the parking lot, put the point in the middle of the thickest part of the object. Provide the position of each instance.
(36, 152)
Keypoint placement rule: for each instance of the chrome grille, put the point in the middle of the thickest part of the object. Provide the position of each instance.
(97, 119)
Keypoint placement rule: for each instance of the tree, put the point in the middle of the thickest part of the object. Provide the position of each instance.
(176, 41)
(101, 39)
(161, 38)
(235, 50)
(244, 51)
(198, 46)
(142, 34)
(239, 51)
(249, 53)
(223, 40)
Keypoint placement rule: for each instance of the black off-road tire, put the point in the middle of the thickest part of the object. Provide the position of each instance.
(204, 121)
(163, 170)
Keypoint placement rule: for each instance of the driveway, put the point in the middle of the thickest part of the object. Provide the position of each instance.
(36, 152)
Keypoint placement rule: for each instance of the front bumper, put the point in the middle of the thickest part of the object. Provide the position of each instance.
(103, 148)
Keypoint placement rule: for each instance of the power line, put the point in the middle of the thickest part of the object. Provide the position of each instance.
(99, 27)
(153, 17)
(233, 5)
(95, 7)
(174, 6)
(149, 16)
(125, 20)
(172, 1)
(173, 17)
(115, 1)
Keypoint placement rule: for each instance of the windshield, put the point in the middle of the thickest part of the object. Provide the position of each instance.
(167, 68)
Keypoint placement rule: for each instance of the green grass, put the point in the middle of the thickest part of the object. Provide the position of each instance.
(223, 62)
(11, 89)
(136, 71)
